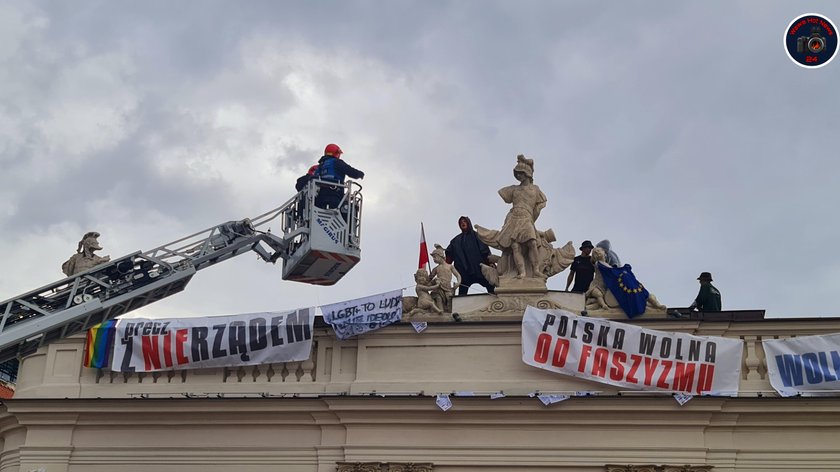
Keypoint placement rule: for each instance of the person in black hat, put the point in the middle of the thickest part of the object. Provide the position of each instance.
(582, 270)
(709, 297)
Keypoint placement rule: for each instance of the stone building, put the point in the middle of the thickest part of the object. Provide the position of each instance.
(368, 404)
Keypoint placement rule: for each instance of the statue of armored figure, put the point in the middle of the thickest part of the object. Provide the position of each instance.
(443, 274)
(85, 259)
(526, 252)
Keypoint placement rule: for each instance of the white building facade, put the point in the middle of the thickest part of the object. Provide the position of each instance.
(368, 404)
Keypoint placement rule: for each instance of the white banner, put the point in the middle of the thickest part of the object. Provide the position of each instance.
(628, 356)
(806, 364)
(363, 315)
(145, 345)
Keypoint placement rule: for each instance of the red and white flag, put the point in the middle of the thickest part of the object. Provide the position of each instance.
(424, 250)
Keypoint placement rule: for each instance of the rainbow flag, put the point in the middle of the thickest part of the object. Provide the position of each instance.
(100, 341)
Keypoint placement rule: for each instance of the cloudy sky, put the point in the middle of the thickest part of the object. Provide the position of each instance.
(679, 130)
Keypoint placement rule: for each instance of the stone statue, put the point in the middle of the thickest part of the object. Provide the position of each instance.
(85, 259)
(553, 260)
(599, 297)
(598, 291)
(528, 258)
(442, 274)
(518, 237)
(424, 289)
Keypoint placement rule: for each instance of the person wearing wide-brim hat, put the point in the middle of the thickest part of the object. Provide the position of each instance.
(709, 297)
(582, 270)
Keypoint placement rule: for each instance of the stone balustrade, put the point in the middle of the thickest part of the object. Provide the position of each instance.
(480, 357)
(658, 468)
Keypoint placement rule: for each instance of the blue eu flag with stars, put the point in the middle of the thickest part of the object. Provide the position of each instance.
(630, 293)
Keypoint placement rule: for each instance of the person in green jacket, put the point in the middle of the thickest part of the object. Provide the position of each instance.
(709, 297)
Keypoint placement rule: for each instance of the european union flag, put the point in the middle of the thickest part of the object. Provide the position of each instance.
(630, 293)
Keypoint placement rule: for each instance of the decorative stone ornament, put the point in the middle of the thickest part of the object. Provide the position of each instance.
(384, 467)
(657, 468)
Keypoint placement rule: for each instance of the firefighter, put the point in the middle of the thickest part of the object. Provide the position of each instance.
(332, 169)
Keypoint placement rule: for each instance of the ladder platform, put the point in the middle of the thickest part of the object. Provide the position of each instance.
(325, 245)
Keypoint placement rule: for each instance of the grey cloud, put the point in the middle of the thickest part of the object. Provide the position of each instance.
(679, 131)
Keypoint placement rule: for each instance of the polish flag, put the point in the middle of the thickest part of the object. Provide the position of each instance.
(424, 250)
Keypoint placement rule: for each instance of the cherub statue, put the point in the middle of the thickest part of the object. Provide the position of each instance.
(595, 295)
(85, 259)
(598, 296)
(442, 274)
(424, 287)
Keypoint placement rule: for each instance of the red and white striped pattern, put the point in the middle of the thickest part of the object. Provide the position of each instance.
(324, 262)
(424, 250)
(336, 257)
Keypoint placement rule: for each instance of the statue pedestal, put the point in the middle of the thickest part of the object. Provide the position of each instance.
(511, 306)
(505, 307)
(527, 285)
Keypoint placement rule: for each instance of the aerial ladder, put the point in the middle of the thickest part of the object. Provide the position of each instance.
(317, 245)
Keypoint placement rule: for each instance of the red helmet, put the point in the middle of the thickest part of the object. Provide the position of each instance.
(333, 150)
(312, 170)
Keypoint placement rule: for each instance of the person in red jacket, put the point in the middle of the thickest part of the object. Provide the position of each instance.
(304, 179)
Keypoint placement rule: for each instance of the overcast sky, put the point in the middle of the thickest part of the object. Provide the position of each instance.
(680, 131)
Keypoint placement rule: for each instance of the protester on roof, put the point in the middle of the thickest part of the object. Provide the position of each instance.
(612, 257)
(582, 270)
(468, 253)
(708, 299)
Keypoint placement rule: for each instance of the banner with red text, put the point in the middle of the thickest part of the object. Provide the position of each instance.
(145, 345)
(628, 356)
(804, 365)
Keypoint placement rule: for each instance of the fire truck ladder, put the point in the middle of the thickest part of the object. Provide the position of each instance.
(76, 303)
